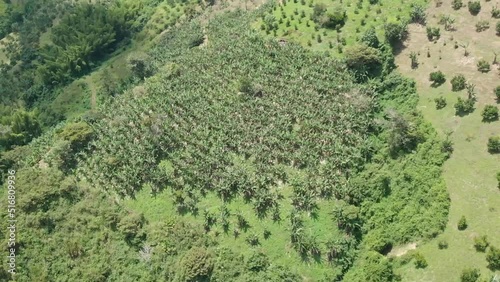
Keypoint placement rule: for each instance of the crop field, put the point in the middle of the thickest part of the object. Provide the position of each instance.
(293, 20)
(470, 172)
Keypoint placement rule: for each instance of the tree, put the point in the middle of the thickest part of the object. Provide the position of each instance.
(363, 59)
(196, 265)
(496, 91)
(470, 275)
(462, 223)
(490, 113)
(141, 65)
(19, 129)
(464, 106)
(481, 243)
(474, 7)
(417, 14)
(395, 32)
(498, 179)
(494, 144)
(433, 33)
(493, 258)
(437, 78)
(257, 261)
(458, 82)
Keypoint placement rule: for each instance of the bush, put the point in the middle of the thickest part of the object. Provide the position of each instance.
(494, 144)
(447, 147)
(493, 258)
(257, 262)
(482, 25)
(370, 38)
(462, 223)
(420, 261)
(457, 4)
(440, 103)
(433, 33)
(458, 82)
(496, 91)
(474, 7)
(437, 78)
(495, 12)
(481, 243)
(470, 275)
(464, 106)
(483, 66)
(497, 29)
(490, 113)
(498, 179)
(442, 244)
(334, 17)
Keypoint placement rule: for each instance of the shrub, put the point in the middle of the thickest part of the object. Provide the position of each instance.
(470, 275)
(447, 147)
(474, 7)
(370, 38)
(257, 262)
(458, 82)
(494, 144)
(462, 223)
(433, 33)
(481, 243)
(437, 78)
(490, 113)
(442, 244)
(493, 258)
(464, 106)
(482, 25)
(498, 179)
(420, 261)
(440, 102)
(457, 4)
(497, 29)
(332, 18)
(496, 91)
(483, 66)
(495, 12)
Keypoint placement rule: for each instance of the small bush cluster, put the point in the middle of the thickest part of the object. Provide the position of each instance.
(493, 258)
(496, 91)
(470, 275)
(464, 106)
(481, 243)
(420, 261)
(442, 244)
(457, 4)
(433, 33)
(440, 102)
(482, 25)
(462, 223)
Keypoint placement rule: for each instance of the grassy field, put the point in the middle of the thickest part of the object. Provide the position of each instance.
(298, 26)
(470, 172)
(277, 246)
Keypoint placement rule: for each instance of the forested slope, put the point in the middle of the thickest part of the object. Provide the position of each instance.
(275, 163)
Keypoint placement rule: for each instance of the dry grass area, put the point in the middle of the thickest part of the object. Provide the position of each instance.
(470, 172)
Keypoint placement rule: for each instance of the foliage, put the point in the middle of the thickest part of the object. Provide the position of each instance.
(458, 82)
(481, 243)
(372, 267)
(141, 65)
(437, 78)
(474, 7)
(370, 38)
(464, 106)
(442, 244)
(496, 91)
(418, 15)
(257, 262)
(333, 17)
(395, 32)
(483, 66)
(433, 33)
(498, 179)
(493, 258)
(495, 12)
(462, 223)
(497, 28)
(457, 4)
(470, 275)
(482, 25)
(494, 144)
(364, 59)
(196, 265)
(420, 261)
(490, 113)
(18, 129)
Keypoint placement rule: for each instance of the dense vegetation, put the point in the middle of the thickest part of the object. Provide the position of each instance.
(301, 139)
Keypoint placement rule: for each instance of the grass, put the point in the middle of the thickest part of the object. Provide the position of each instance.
(389, 10)
(277, 246)
(470, 172)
